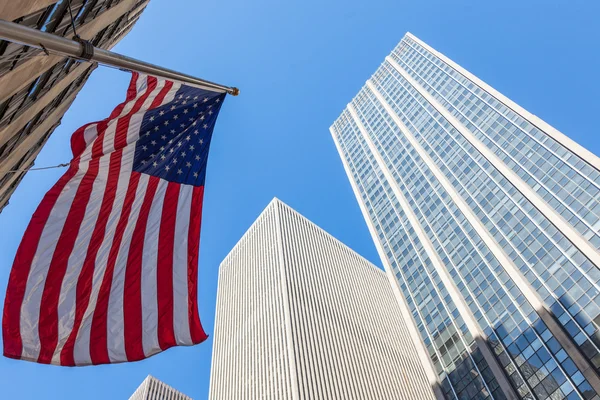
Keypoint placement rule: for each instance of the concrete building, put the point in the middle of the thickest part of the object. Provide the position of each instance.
(153, 389)
(487, 220)
(301, 316)
(36, 89)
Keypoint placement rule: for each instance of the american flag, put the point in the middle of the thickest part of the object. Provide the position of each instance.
(106, 271)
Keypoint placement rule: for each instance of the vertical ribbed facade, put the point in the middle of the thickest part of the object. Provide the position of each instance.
(37, 89)
(154, 389)
(487, 220)
(301, 316)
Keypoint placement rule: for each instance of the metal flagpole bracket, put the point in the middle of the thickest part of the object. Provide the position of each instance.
(83, 50)
(87, 49)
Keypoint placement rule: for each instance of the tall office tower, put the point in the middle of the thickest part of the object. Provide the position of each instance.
(301, 316)
(487, 220)
(37, 89)
(154, 389)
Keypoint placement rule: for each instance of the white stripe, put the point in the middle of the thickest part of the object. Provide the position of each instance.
(81, 350)
(141, 82)
(171, 94)
(141, 87)
(90, 133)
(135, 123)
(67, 299)
(149, 260)
(115, 324)
(108, 145)
(87, 153)
(30, 309)
(181, 324)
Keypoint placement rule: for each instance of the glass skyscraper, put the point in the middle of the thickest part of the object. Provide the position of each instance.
(487, 220)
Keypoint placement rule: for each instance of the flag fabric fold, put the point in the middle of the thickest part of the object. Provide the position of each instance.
(106, 271)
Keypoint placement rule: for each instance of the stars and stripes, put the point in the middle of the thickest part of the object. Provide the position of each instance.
(107, 269)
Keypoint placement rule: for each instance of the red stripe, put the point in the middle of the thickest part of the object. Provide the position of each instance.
(78, 143)
(131, 94)
(98, 144)
(48, 319)
(196, 331)
(123, 123)
(11, 321)
(84, 283)
(132, 295)
(164, 267)
(98, 335)
(161, 96)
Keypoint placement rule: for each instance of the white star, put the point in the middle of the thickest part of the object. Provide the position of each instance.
(188, 164)
(182, 125)
(163, 137)
(195, 105)
(195, 97)
(196, 132)
(162, 148)
(174, 161)
(195, 174)
(205, 126)
(184, 102)
(190, 119)
(202, 118)
(155, 164)
(209, 112)
(153, 143)
(162, 157)
(166, 122)
(144, 147)
(173, 107)
(194, 123)
(180, 96)
(171, 141)
(201, 141)
(179, 144)
(205, 99)
(173, 131)
(171, 150)
(161, 113)
(197, 158)
(147, 134)
(152, 118)
(143, 161)
(179, 172)
(156, 128)
(167, 168)
(210, 106)
(218, 100)
(175, 116)
(185, 111)
(188, 137)
(192, 147)
(183, 154)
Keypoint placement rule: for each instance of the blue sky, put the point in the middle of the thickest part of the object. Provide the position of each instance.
(298, 63)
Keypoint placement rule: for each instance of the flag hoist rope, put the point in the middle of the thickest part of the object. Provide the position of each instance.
(83, 50)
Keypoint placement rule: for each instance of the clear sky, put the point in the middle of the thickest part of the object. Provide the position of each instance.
(298, 63)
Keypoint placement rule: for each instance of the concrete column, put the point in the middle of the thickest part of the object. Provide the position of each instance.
(27, 72)
(13, 9)
(38, 132)
(15, 126)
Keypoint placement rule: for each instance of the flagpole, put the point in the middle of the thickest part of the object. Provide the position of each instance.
(83, 50)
